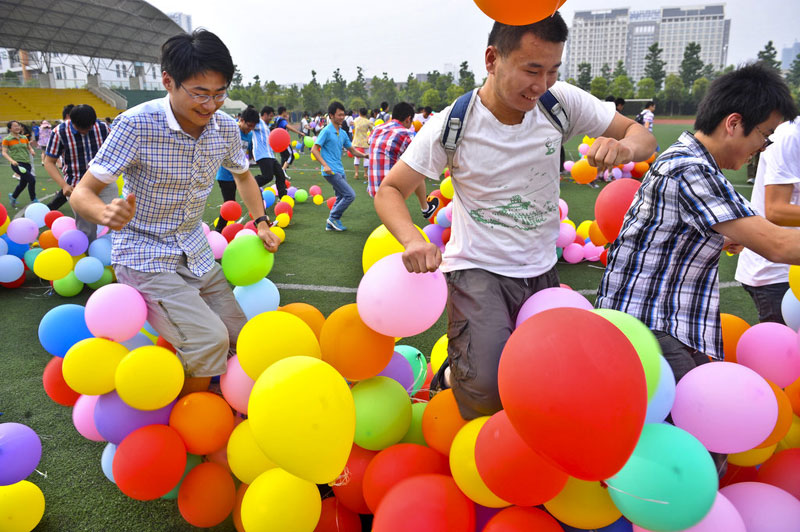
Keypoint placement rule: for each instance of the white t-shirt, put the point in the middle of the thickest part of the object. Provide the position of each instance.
(648, 117)
(778, 165)
(506, 181)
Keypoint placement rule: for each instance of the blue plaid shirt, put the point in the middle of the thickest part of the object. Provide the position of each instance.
(171, 173)
(663, 267)
(261, 147)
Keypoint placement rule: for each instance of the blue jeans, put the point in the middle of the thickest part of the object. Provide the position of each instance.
(344, 194)
(768, 299)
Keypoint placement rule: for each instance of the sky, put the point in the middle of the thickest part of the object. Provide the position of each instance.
(285, 42)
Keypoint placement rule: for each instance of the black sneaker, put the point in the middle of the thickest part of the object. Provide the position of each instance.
(438, 383)
(433, 204)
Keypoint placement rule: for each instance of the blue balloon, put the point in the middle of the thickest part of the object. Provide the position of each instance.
(620, 525)
(89, 270)
(254, 299)
(107, 460)
(441, 218)
(149, 328)
(18, 250)
(3, 247)
(62, 327)
(101, 250)
(11, 268)
(30, 257)
(790, 308)
(269, 198)
(661, 402)
(139, 340)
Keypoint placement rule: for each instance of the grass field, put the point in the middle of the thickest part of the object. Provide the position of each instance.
(78, 496)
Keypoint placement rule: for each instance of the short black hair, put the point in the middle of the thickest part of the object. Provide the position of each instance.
(65, 111)
(363, 111)
(335, 106)
(83, 116)
(267, 110)
(650, 103)
(250, 116)
(419, 109)
(13, 122)
(506, 38)
(384, 106)
(619, 101)
(402, 110)
(281, 109)
(610, 98)
(428, 109)
(185, 55)
(754, 91)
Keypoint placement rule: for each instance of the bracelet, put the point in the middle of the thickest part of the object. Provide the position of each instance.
(263, 218)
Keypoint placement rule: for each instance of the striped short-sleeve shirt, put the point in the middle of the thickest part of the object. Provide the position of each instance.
(663, 267)
(171, 174)
(76, 149)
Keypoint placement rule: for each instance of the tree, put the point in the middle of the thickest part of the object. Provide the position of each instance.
(619, 70)
(312, 96)
(692, 65)
(466, 79)
(605, 72)
(673, 89)
(336, 88)
(272, 93)
(236, 81)
(793, 76)
(599, 88)
(708, 72)
(572, 81)
(699, 89)
(431, 98)
(358, 87)
(412, 92)
(646, 88)
(654, 65)
(291, 98)
(769, 56)
(453, 92)
(384, 89)
(356, 103)
(585, 76)
(622, 87)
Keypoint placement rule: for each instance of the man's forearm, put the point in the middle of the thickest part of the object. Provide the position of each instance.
(52, 171)
(641, 141)
(248, 188)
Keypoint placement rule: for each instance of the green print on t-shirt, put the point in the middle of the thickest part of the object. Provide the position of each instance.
(517, 214)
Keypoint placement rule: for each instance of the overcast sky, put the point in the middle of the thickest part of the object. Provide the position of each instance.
(287, 40)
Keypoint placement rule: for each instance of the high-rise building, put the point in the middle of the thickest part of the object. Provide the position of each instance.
(642, 33)
(183, 20)
(789, 54)
(704, 25)
(597, 37)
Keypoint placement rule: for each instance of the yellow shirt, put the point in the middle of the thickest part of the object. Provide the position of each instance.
(361, 129)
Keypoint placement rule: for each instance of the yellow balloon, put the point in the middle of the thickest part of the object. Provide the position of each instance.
(378, 122)
(381, 243)
(282, 220)
(439, 353)
(52, 264)
(89, 365)
(279, 232)
(570, 222)
(296, 156)
(583, 504)
(313, 158)
(794, 280)
(76, 259)
(245, 457)
(417, 125)
(303, 417)
(753, 457)
(288, 199)
(294, 144)
(21, 506)
(464, 469)
(446, 188)
(583, 229)
(120, 182)
(318, 199)
(216, 221)
(288, 336)
(149, 377)
(4, 225)
(278, 500)
(792, 438)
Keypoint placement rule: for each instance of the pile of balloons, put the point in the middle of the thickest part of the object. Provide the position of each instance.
(60, 253)
(21, 501)
(438, 230)
(582, 173)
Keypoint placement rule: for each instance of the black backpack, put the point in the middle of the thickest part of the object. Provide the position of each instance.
(640, 117)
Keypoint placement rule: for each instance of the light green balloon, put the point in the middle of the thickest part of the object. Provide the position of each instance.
(30, 257)
(301, 195)
(644, 342)
(106, 278)
(246, 261)
(383, 413)
(192, 460)
(419, 366)
(414, 434)
(308, 141)
(68, 286)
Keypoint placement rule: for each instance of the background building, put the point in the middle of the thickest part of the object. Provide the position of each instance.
(598, 38)
(789, 54)
(705, 25)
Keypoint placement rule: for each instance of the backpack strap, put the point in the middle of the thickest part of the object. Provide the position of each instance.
(455, 123)
(554, 112)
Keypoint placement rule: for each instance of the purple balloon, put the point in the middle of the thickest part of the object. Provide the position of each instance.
(549, 298)
(763, 507)
(114, 419)
(74, 242)
(399, 369)
(483, 514)
(434, 232)
(291, 191)
(20, 452)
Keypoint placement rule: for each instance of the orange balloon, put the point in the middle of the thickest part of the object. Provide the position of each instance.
(441, 421)
(652, 158)
(784, 422)
(582, 173)
(732, 329)
(596, 235)
(521, 519)
(355, 350)
(639, 169)
(47, 240)
(237, 507)
(308, 313)
(204, 420)
(518, 12)
(207, 495)
(793, 393)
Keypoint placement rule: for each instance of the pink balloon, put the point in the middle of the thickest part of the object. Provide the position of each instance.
(243, 232)
(592, 252)
(583, 149)
(217, 242)
(236, 385)
(616, 173)
(314, 190)
(772, 351)
(566, 235)
(83, 417)
(763, 507)
(22, 231)
(563, 208)
(62, 224)
(568, 165)
(115, 311)
(573, 253)
(628, 167)
(548, 298)
(206, 228)
(728, 407)
(723, 516)
(394, 302)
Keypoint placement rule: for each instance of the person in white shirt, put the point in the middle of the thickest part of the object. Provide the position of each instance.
(776, 196)
(505, 209)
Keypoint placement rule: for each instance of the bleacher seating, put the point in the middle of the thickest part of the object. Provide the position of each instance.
(136, 97)
(29, 104)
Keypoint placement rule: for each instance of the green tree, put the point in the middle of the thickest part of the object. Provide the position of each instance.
(646, 89)
(291, 98)
(312, 96)
(793, 76)
(619, 70)
(452, 93)
(431, 97)
(708, 72)
(572, 81)
(622, 87)
(358, 87)
(692, 65)
(356, 103)
(236, 81)
(673, 90)
(605, 72)
(272, 93)
(585, 76)
(384, 89)
(336, 88)
(699, 89)
(654, 65)
(599, 88)
(769, 56)
(466, 79)
(412, 92)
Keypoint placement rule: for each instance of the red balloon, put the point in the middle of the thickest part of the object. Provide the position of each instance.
(55, 386)
(611, 205)
(230, 230)
(149, 462)
(4, 214)
(604, 257)
(736, 474)
(782, 470)
(330, 201)
(438, 194)
(19, 282)
(446, 235)
(161, 342)
(350, 490)
(335, 517)
(283, 207)
(425, 502)
(230, 211)
(574, 389)
(397, 463)
(511, 469)
(279, 139)
(50, 217)
(251, 225)
(517, 519)
(207, 495)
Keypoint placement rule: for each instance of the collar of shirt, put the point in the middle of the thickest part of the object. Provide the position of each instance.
(173, 124)
(691, 142)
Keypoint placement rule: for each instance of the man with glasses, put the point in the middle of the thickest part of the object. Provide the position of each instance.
(663, 266)
(168, 152)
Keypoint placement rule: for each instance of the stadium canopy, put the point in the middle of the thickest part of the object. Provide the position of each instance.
(130, 30)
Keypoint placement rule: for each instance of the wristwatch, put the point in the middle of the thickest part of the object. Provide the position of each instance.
(263, 218)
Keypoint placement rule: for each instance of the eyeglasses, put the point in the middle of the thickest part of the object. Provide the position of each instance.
(205, 98)
(767, 140)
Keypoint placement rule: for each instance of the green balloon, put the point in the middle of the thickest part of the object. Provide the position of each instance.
(308, 141)
(106, 278)
(669, 482)
(383, 412)
(68, 286)
(246, 261)
(301, 195)
(192, 460)
(419, 366)
(644, 342)
(30, 257)
(414, 434)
